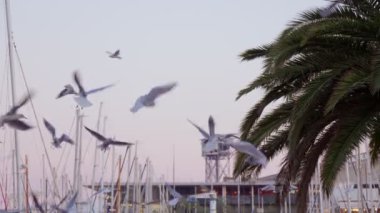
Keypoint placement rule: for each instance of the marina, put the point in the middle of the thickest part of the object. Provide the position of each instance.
(127, 107)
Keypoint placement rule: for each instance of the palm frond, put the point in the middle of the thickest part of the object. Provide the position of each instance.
(309, 164)
(349, 81)
(309, 104)
(257, 110)
(255, 52)
(352, 130)
(271, 123)
(374, 143)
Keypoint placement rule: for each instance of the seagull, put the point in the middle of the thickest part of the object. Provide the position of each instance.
(68, 90)
(106, 141)
(115, 54)
(57, 141)
(211, 142)
(81, 99)
(211, 128)
(176, 196)
(69, 205)
(12, 118)
(148, 99)
(255, 156)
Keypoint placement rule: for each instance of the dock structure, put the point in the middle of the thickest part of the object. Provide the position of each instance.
(230, 194)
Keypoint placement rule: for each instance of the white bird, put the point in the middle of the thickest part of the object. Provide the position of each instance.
(81, 99)
(12, 118)
(255, 156)
(148, 100)
(211, 142)
(176, 196)
(210, 136)
(57, 141)
(106, 141)
(69, 206)
(115, 54)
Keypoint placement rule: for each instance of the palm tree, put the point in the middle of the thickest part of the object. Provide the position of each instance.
(324, 69)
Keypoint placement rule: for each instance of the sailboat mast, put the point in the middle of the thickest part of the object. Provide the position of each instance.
(76, 163)
(96, 149)
(27, 184)
(101, 205)
(13, 91)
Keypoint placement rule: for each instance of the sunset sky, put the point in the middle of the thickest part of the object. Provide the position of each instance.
(195, 43)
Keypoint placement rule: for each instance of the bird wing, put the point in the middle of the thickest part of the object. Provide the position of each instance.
(202, 131)
(173, 192)
(117, 52)
(20, 125)
(173, 202)
(249, 149)
(49, 127)
(211, 125)
(23, 101)
(138, 104)
(66, 91)
(37, 204)
(79, 84)
(96, 135)
(66, 138)
(120, 143)
(229, 136)
(62, 93)
(159, 90)
(99, 89)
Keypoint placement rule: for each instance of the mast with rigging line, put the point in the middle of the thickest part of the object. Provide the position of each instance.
(13, 95)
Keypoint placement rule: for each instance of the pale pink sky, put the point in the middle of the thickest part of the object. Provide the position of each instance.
(195, 43)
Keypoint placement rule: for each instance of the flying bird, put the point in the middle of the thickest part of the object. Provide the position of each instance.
(106, 141)
(81, 95)
(211, 128)
(115, 54)
(68, 206)
(148, 100)
(13, 119)
(57, 141)
(176, 196)
(210, 136)
(255, 156)
(82, 98)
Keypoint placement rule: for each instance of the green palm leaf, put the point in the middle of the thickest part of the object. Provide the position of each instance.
(353, 129)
